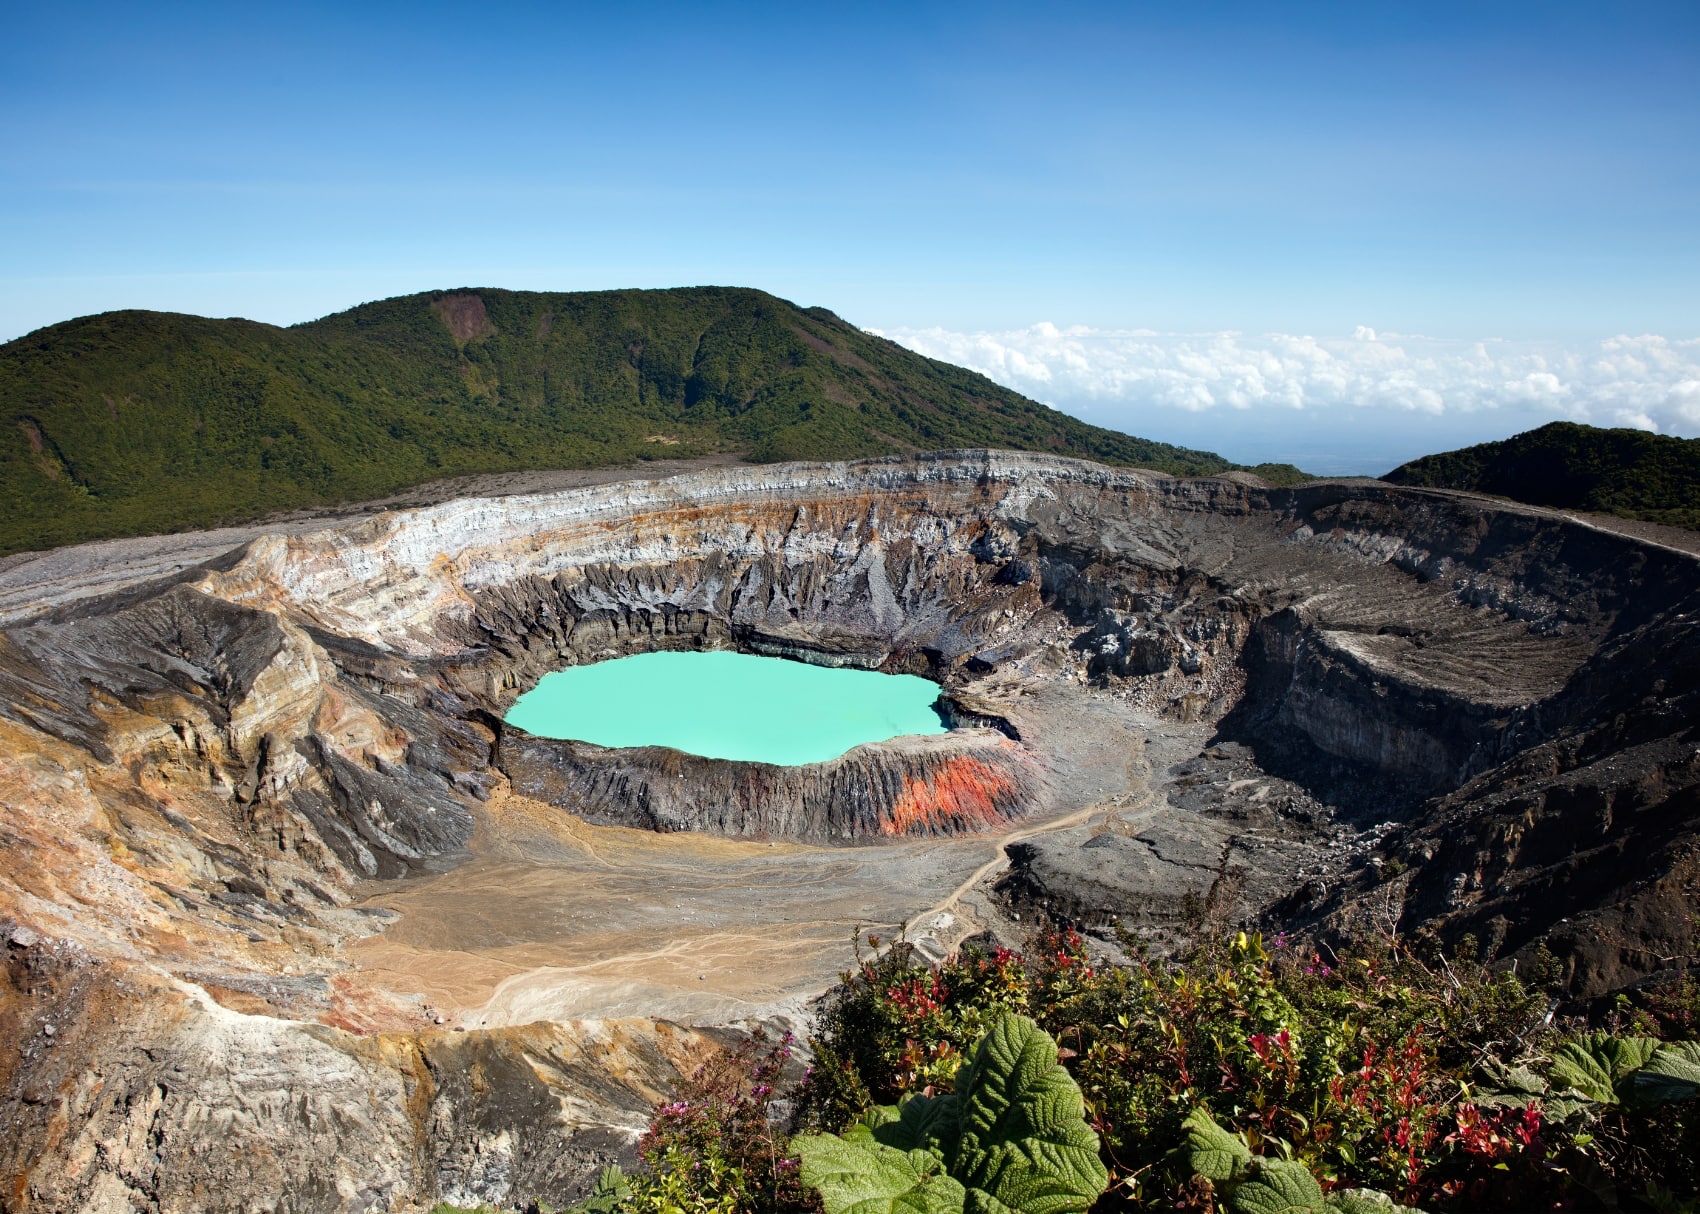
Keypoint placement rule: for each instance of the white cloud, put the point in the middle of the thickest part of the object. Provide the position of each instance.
(1650, 382)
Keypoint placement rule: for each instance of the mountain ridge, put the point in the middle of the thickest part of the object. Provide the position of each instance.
(131, 422)
(1569, 466)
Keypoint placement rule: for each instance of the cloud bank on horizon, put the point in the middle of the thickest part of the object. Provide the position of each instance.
(1393, 388)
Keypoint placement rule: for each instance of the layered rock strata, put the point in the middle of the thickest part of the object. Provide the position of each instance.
(200, 771)
(949, 784)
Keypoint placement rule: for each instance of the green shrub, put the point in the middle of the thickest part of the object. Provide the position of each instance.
(1248, 1184)
(1011, 1138)
(896, 1026)
(1349, 1082)
(1373, 1071)
(717, 1147)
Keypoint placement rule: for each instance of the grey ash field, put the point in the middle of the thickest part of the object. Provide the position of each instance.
(307, 919)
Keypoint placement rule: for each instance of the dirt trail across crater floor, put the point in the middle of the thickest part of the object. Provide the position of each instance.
(556, 919)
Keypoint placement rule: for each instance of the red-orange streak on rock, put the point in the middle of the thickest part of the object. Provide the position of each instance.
(965, 794)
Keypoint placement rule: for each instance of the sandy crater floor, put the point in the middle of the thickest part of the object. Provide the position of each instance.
(555, 919)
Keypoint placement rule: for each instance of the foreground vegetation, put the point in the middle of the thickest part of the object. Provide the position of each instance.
(1629, 473)
(135, 422)
(1242, 1077)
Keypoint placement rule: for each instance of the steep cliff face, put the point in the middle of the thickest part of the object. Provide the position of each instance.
(200, 771)
(951, 784)
(1584, 838)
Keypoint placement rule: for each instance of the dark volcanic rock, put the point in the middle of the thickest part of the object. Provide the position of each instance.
(1221, 843)
(942, 785)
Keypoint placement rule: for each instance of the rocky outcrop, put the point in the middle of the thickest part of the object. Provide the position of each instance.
(944, 785)
(201, 770)
(1220, 842)
(127, 1091)
(1583, 842)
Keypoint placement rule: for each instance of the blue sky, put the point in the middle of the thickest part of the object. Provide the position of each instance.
(952, 175)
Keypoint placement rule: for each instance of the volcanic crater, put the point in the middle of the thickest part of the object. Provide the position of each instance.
(314, 929)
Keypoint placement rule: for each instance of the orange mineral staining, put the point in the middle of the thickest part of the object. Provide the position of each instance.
(964, 793)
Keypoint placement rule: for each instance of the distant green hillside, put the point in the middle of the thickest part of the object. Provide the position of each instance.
(1624, 472)
(136, 422)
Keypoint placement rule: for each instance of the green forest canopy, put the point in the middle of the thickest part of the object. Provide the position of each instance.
(1630, 473)
(142, 422)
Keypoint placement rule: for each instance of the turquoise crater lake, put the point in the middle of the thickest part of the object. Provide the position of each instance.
(726, 705)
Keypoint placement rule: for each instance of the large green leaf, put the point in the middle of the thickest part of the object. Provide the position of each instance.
(870, 1123)
(1251, 1185)
(1509, 1085)
(1514, 1087)
(864, 1177)
(925, 1123)
(1278, 1186)
(1214, 1153)
(1672, 1074)
(1268, 1186)
(1025, 1145)
(1598, 1064)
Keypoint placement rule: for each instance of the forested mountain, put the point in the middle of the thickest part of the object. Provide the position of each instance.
(1625, 472)
(135, 422)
